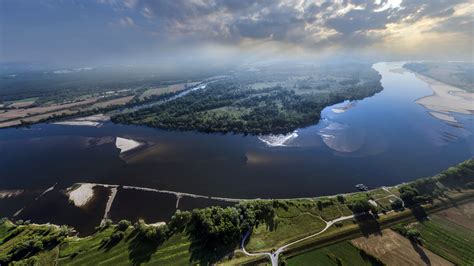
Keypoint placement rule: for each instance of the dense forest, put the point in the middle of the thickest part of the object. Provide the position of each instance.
(292, 99)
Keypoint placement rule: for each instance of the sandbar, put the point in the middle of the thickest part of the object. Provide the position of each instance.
(126, 144)
(81, 195)
(446, 99)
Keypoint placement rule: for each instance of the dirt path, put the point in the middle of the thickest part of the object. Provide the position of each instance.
(274, 256)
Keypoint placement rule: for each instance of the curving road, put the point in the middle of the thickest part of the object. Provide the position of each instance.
(274, 256)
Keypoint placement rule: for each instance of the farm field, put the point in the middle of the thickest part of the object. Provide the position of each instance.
(392, 248)
(462, 215)
(448, 239)
(25, 112)
(341, 253)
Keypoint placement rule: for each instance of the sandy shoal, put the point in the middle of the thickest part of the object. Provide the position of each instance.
(446, 99)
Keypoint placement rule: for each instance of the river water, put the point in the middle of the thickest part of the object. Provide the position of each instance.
(385, 139)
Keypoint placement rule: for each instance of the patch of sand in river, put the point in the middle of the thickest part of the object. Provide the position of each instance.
(446, 100)
(82, 194)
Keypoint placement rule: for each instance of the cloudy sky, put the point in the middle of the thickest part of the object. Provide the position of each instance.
(108, 31)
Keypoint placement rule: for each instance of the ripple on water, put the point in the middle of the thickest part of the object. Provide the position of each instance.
(279, 140)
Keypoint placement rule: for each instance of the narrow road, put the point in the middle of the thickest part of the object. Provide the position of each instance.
(391, 193)
(274, 256)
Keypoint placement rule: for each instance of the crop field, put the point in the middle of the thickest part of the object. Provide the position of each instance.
(448, 239)
(24, 112)
(342, 253)
(462, 215)
(392, 248)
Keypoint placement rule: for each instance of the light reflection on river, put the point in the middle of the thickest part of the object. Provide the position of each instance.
(381, 140)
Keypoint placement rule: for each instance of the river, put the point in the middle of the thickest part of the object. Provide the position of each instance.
(385, 139)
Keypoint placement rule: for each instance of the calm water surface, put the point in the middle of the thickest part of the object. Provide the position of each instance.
(381, 140)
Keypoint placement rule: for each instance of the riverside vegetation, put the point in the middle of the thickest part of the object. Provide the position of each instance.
(212, 234)
(274, 100)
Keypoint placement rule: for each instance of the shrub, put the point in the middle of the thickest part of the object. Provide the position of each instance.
(413, 235)
(397, 204)
(123, 225)
(179, 221)
(360, 206)
(408, 194)
(116, 236)
(340, 198)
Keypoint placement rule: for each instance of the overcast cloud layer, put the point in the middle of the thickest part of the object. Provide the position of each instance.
(148, 30)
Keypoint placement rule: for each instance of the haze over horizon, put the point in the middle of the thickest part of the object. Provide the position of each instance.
(178, 32)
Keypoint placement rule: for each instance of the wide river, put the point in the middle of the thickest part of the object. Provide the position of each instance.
(381, 140)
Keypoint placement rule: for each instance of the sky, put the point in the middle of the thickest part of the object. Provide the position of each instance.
(83, 32)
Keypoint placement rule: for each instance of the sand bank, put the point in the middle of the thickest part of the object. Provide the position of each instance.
(341, 108)
(92, 121)
(10, 193)
(46, 191)
(82, 194)
(78, 123)
(126, 144)
(446, 100)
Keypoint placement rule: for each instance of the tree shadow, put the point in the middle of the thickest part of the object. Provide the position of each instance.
(140, 249)
(368, 225)
(368, 258)
(419, 213)
(107, 245)
(271, 224)
(420, 252)
(132, 235)
(209, 252)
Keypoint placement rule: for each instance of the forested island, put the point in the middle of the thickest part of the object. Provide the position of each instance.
(264, 100)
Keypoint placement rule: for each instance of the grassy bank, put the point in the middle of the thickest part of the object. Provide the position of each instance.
(213, 234)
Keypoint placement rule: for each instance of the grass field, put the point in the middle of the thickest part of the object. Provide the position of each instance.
(265, 237)
(21, 241)
(294, 220)
(447, 239)
(128, 251)
(342, 253)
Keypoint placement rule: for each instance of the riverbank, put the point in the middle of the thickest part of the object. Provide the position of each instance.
(450, 188)
(445, 100)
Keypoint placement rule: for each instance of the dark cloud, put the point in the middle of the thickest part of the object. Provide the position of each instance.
(414, 10)
(460, 24)
(350, 23)
(358, 20)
